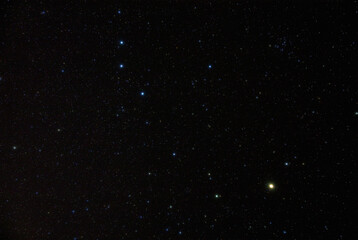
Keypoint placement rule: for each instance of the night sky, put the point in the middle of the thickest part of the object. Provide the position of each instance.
(177, 119)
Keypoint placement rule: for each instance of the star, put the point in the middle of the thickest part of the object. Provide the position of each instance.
(14, 147)
(174, 154)
(271, 186)
(210, 66)
(121, 42)
(121, 66)
(142, 93)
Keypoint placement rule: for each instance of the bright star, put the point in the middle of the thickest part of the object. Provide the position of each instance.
(142, 93)
(121, 42)
(121, 66)
(210, 66)
(271, 186)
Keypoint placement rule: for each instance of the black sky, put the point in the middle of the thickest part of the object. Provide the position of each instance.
(170, 119)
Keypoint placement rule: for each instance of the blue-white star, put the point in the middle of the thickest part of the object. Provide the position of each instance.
(210, 66)
(121, 66)
(142, 93)
(121, 42)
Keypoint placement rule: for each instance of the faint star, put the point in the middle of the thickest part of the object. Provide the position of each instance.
(174, 154)
(210, 66)
(14, 147)
(121, 66)
(142, 93)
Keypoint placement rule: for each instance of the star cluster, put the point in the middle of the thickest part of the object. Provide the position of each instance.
(176, 120)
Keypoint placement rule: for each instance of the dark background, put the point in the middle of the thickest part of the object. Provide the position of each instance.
(84, 155)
